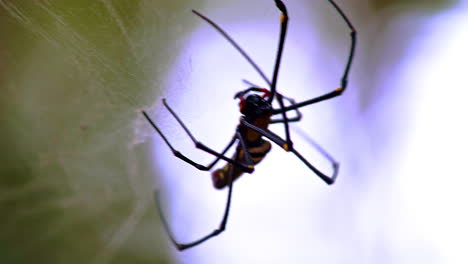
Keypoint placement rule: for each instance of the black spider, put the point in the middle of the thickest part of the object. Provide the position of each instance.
(255, 104)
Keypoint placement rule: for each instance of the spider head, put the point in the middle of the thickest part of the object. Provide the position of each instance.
(254, 105)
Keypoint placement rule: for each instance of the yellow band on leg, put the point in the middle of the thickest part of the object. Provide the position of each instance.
(282, 18)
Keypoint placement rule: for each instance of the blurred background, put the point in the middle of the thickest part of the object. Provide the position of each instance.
(79, 163)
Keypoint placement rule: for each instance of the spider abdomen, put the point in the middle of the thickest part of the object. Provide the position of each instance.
(257, 153)
(252, 136)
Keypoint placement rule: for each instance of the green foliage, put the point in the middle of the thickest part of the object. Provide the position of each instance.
(419, 4)
(73, 183)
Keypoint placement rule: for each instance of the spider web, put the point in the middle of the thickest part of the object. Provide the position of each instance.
(75, 176)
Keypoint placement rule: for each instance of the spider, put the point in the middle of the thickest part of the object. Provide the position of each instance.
(255, 105)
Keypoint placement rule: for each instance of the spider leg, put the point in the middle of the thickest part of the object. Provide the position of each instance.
(198, 145)
(284, 144)
(285, 121)
(284, 18)
(319, 148)
(344, 78)
(284, 21)
(234, 44)
(222, 226)
(217, 231)
(296, 118)
(249, 83)
(284, 26)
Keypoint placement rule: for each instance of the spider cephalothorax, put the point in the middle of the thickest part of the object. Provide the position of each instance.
(254, 106)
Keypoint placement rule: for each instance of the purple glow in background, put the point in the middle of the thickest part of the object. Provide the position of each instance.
(401, 191)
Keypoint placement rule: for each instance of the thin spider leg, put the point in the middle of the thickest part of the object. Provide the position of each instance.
(218, 230)
(282, 143)
(328, 179)
(249, 83)
(202, 146)
(285, 121)
(297, 118)
(183, 246)
(233, 43)
(319, 148)
(198, 145)
(247, 156)
(163, 220)
(222, 226)
(284, 26)
(344, 78)
(267, 133)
